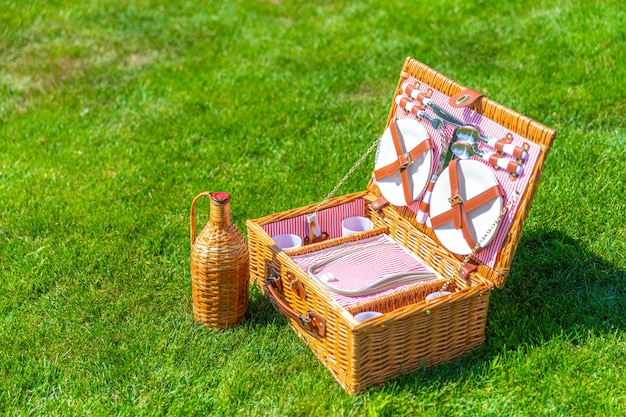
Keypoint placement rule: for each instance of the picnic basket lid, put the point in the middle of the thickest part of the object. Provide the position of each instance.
(540, 137)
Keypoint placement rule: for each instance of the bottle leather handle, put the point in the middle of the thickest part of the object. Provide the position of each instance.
(192, 220)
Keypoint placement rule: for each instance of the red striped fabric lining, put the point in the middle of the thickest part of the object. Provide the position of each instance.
(362, 268)
(490, 128)
(329, 219)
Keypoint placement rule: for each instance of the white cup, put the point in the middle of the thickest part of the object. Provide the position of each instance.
(356, 224)
(288, 241)
(437, 294)
(366, 315)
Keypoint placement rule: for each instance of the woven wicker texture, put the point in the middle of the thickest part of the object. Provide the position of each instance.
(517, 123)
(219, 268)
(407, 337)
(412, 333)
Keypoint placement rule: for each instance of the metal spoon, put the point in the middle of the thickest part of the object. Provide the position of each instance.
(465, 150)
(472, 134)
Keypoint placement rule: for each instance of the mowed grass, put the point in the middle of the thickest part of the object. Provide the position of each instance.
(114, 115)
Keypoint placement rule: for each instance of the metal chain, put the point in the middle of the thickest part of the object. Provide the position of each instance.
(467, 257)
(356, 165)
(345, 178)
(477, 246)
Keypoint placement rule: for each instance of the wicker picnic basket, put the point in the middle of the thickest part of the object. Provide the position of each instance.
(413, 333)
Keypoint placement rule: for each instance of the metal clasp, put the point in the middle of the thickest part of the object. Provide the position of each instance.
(404, 159)
(455, 199)
(462, 99)
(296, 285)
(314, 323)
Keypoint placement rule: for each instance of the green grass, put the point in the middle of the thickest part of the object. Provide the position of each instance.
(114, 115)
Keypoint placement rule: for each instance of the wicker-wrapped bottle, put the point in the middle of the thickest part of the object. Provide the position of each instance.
(219, 266)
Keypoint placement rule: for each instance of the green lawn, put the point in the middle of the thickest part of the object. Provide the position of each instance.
(115, 114)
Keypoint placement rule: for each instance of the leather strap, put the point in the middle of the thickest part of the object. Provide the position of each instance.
(393, 167)
(464, 98)
(379, 203)
(404, 160)
(459, 207)
(312, 322)
(467, 269)
(511, 166)
(517, 151)
(296, 285)
(320, 238)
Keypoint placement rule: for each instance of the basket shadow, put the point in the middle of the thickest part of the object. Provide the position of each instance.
(556, 288)
(261, 311)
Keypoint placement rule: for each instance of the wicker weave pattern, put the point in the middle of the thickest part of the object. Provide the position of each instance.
(412, 333)
(360, 355)
(219, 270)
(517, 123)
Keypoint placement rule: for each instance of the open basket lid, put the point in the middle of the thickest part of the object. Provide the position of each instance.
(494, 121)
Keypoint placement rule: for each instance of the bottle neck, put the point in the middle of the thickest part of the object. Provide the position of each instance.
(220, 212)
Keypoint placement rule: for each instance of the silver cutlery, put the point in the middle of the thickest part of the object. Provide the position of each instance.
(467, 132)
(465, 150)
(415, 94)
(472, 134)
(411, 107)
(442, 163)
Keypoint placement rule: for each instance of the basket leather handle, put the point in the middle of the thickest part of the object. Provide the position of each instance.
(192, 220)
(312, 322)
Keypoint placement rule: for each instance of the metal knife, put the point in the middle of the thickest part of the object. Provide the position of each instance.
(414, 93)
(442, 163)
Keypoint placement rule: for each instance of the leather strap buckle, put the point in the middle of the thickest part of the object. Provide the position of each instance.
(296, 285)
(404, 159)
(455, 200)
(274, 279)
(314, 322)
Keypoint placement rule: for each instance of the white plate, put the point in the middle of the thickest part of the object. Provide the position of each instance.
(474, 178)
(419, 171)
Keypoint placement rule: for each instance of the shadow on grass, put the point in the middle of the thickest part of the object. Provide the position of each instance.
(261, 312)
(556, 288)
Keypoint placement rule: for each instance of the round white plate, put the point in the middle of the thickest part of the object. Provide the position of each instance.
(419, 171)
(474, 178)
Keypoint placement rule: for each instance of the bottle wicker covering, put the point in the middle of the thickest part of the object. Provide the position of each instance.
(219, 267)
(412, 333)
